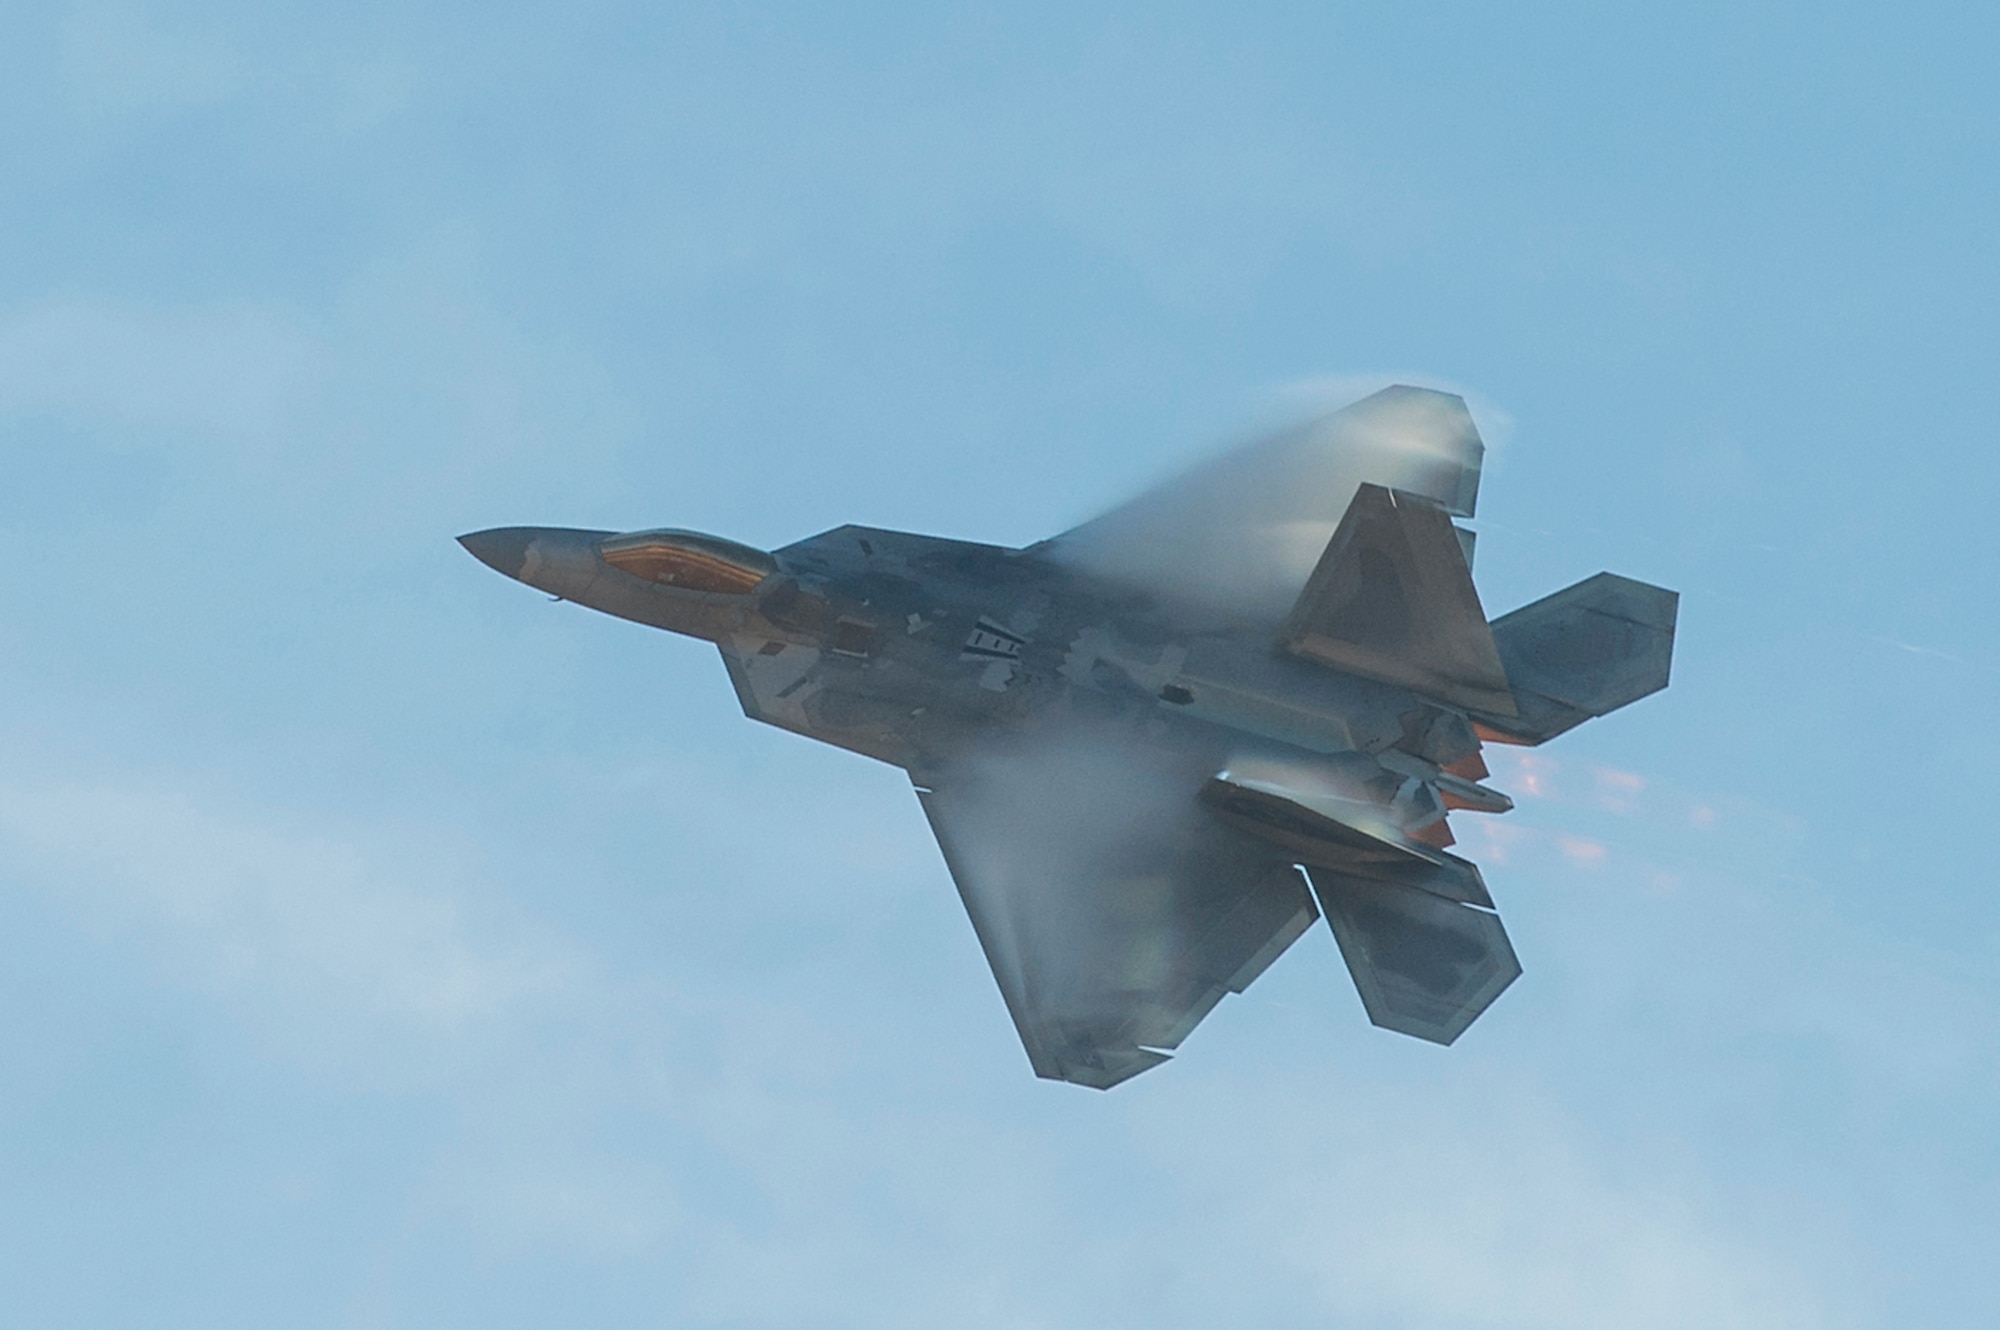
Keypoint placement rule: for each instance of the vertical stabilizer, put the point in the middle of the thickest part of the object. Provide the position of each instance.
(1392, 599)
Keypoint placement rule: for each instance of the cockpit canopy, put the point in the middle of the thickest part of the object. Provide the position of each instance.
(689, 561)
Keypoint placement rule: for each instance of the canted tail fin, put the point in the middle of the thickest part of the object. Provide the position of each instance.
(1392, 599)
(1584, 651)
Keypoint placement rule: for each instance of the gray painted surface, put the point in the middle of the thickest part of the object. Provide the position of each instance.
(1127, 737)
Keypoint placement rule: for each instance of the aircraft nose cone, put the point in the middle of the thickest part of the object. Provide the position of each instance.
(558, 559)
(504, 549)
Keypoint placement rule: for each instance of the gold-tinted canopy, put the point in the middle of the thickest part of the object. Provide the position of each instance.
(689, 561)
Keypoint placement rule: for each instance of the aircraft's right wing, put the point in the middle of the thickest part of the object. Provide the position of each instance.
(1237, 537)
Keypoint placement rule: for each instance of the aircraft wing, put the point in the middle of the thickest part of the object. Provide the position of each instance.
(1236, 538)
(1115, 912)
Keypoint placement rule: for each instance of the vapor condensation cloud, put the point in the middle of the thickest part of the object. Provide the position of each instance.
(1233, 539)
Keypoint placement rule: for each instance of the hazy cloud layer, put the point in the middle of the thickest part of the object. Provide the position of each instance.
(378, 966)
(384, 945)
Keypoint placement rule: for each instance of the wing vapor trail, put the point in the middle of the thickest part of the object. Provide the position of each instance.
(1234, 538)
(1040, 818)
(1115, 911)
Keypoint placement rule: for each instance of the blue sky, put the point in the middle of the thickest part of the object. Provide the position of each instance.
(384, 946)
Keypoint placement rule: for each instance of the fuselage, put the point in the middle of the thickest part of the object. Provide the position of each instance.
(915, 649)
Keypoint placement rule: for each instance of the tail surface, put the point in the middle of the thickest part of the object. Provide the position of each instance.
(1392, 599)
(1584, 651)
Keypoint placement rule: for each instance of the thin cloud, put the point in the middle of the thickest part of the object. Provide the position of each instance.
(1511, 1215)
(113, 59)
(241, 908)
(234, 371)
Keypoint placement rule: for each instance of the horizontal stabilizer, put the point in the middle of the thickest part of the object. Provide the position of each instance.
(1584, 651)
(1424, 966)
(1392, 599)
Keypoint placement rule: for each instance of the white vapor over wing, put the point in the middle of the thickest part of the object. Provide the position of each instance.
(1235, 538)
(1041, 825)
(1113, 909)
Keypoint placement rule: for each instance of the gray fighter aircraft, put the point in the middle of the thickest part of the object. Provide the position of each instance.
(1156, 747)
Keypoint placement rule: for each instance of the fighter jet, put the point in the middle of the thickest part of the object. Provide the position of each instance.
(1156, 748)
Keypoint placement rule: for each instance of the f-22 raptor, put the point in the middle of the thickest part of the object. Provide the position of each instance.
(1155, 748)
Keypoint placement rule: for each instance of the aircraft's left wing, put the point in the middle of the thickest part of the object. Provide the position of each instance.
(1114, 911)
